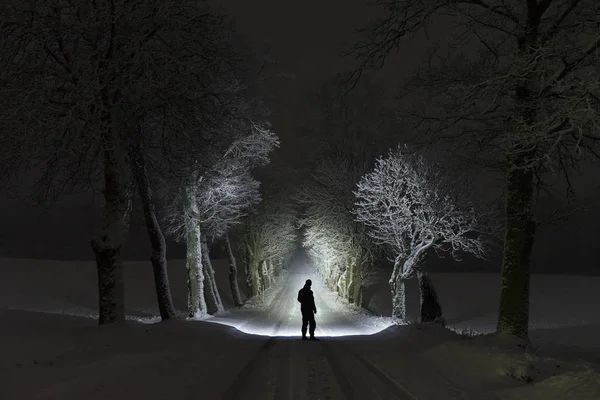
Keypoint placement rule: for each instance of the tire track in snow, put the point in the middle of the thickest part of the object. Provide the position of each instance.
(338, 374)
(371, 377)
(390, 384)
(236, 389)
(340, 370)
(284, 385)
(274, 302)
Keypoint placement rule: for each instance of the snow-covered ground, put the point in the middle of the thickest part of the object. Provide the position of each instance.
(277, 313)
(51, 349)
(563, 308)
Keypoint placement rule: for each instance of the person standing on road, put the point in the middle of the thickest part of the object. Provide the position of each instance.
(308, 308)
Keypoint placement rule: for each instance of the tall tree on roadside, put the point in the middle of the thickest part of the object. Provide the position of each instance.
(413, 207)
(88, 73)
(521, 98)
(268, 238)
(348, 131)
(213, 199)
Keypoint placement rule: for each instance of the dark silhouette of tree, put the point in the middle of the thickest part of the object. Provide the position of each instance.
(514, 87)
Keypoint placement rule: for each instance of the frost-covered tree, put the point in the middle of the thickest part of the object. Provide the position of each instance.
(82, 77)
(213, 200)
(348, 131)
(339, 246)
(413, 207)
(269, 239)
(513, 86)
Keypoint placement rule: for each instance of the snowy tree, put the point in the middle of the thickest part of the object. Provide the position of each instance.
(413, 207)
(347, 132)
(340, 247)
(83, 76)
(269, 239)
(524, 100)
(214, 199)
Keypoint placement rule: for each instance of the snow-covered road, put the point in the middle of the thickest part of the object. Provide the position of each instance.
(278, 312)
(346, 363)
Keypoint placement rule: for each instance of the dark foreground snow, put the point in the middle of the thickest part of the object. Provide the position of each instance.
(48, 355)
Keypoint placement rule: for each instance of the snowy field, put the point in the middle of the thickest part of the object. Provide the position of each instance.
(52, 347)
(563, 308)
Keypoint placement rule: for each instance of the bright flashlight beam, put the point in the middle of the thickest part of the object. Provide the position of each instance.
(279, 312)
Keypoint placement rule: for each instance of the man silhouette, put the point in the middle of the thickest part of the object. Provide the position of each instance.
(308, 308)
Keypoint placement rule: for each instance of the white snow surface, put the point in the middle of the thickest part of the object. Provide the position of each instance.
(52, 348)
(277, 311)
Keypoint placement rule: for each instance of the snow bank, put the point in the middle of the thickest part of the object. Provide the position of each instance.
(562, 307)
(51, 356)
(485, 362)
(580, 385)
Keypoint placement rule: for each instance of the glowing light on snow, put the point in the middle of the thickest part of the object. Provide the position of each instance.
(329, 331)
(277, 313)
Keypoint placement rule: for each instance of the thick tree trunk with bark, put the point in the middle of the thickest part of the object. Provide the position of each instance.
(193, 262)
(431, 310)
(108, 244)
(513, 316)
(213, 298)
(155, 234)
(398, 290)
(233, 275)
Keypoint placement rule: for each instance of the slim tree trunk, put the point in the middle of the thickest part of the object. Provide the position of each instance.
(431, 310)
(155, 234)
(360, 301)
(193, 262)
(108, 244)
(264, 274)
(209, 291)
(253, 272)
(233, 276)
(213, 292)
(513, 316)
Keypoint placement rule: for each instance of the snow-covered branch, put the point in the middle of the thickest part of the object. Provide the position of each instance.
(412, 205)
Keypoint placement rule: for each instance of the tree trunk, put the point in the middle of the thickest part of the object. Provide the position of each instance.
(272, 271)
(193, 262)
(233, 276)
(360, 298)
(513, 316)
(356, 283)
(157, 239)
(213, 297)
(108, 244)
(431, 311)
(398, 291)
(264, 275)
(253, 277)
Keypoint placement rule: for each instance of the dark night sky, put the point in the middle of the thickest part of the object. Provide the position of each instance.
(305, 38)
